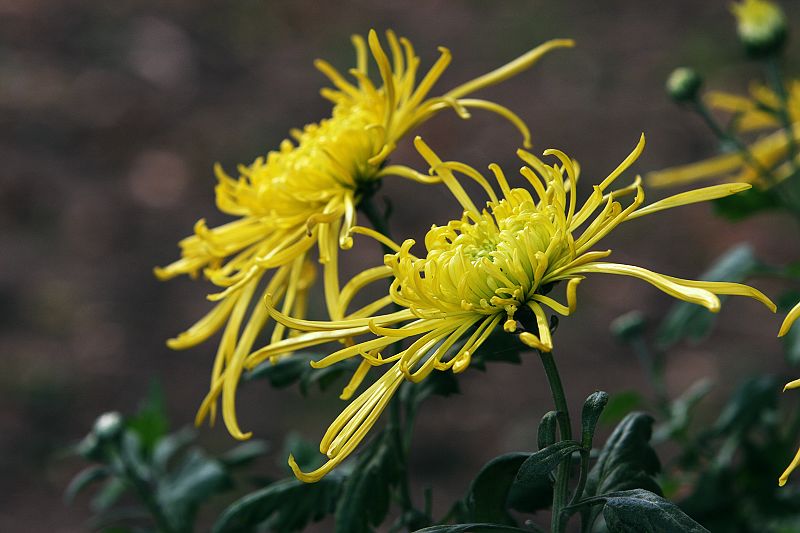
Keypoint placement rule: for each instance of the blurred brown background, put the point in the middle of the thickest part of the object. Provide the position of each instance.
(113, 113)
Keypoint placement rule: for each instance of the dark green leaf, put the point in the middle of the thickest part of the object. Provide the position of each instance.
(641, 511)
(326, 377)
(150, 423)
(83, 479)
(547, 429)
(541, 463)
(488, 492)
(499, 347)
(283, 373)
(750, 402)
(693, 322)
(620, 405)
(436, 384)
(166, 448)
(590, 414)
(109, 494)
(746, 203)
(627, 461)
(306, 453)
(366, 493)
(287, 505)
(244, 453)
(474, 528)
(182, 490)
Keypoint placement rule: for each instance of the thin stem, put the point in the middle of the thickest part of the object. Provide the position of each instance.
(143, 491)
(700, 108)
(561, 489)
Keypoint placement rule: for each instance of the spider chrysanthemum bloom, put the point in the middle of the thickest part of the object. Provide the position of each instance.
(305, 195)
(485, 269)
(757, 114)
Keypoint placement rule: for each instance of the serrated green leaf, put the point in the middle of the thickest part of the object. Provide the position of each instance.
(641, 511)
(182, 490)
(475, 528)
(83, 479)
(626, 461)
(150, 423)
(692, 322)
(590, 414)
(539, 464)
(620, 405)
(366, 493)
(287, 505)
(244, 453)
(488, 493)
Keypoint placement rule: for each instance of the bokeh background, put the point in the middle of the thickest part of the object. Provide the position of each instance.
(113, 113)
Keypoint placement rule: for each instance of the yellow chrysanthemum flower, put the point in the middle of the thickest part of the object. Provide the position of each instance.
(753, 114)
(306, 194)
(492, 266)
(790, 319)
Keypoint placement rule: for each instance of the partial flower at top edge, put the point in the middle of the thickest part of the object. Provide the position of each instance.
(305, 195)
(481, 271)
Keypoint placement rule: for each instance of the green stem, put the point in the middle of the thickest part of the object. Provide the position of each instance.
(561, 489)
(654, 371)
(725, 137)
(143, 491)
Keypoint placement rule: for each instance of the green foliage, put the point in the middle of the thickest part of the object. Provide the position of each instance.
(287, 505)
(297, 370)
(475, 528)
(539, 464)
(167, 474)
(488, 493)
(590, 414)
(626, 461)
(746, 204)
(692, 322)
(681, 411)
(641, 511)
(367, 491)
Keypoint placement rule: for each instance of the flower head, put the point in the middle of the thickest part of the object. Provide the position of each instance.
(487, 268)
(755, 114)
(761, 25)
(305, 195)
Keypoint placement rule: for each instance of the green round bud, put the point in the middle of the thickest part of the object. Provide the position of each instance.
(762, 27)
(108, 426)
(683, 84)
(629, 326)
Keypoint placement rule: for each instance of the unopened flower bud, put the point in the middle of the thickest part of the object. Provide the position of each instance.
(108, 426)
(761, 25)
(683, 84)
